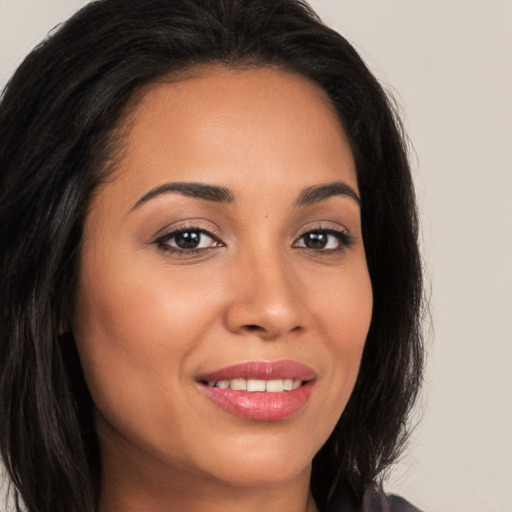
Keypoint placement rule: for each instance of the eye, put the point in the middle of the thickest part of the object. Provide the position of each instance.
(324, 240)
(187, 240)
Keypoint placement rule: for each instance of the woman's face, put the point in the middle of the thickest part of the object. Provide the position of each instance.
(224, 253)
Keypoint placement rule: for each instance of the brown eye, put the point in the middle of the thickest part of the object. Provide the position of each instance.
(187, 240)
(324, 240)
(316, 240)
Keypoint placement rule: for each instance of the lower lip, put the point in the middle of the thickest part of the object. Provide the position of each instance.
(260, 405)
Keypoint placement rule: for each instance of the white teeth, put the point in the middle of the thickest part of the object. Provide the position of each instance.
(288, 384)
(255, 385)
(275, 386)
(238, 384)
(271, 386)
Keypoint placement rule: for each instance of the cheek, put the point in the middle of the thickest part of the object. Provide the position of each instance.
(345, 312)
(141, 310)
(134, 327)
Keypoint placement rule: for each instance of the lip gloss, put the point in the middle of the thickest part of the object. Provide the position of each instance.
(260, 405)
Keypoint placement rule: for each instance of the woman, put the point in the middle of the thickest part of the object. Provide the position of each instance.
(211, 277)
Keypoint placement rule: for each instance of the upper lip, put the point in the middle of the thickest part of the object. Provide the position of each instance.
(263, 370)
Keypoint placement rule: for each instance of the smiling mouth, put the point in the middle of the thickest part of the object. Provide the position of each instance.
(260, 390)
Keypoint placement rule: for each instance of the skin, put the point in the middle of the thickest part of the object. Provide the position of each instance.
(148, 319)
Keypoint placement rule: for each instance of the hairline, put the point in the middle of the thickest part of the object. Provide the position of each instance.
(118, 135)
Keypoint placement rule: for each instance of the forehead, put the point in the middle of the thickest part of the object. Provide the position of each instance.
(234, 127)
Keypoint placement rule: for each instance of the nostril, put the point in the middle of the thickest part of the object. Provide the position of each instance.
(254, 327)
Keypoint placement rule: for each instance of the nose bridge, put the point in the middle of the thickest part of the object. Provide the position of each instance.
(272, 285)
(265, 299)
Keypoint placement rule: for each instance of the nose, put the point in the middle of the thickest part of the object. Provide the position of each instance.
(266, 300)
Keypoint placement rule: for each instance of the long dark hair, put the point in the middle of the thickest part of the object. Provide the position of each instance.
(58, 120)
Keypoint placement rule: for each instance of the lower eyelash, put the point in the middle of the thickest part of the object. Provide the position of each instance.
(181, 252)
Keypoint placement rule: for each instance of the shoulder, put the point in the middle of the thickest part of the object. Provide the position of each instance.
(345, 499)
(398, 504)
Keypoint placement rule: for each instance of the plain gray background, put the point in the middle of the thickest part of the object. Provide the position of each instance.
(449, 65)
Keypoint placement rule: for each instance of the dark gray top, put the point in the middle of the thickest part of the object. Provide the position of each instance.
(344, 500)
(377, 502)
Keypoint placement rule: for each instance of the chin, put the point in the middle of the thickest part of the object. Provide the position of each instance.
(263, 475)
(263, 465)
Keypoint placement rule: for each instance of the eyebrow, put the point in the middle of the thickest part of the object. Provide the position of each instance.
(196, 190)
(217, 194)
(311, 195)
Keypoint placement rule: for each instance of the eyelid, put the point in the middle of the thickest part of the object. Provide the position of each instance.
(189, 224)
(322, 226)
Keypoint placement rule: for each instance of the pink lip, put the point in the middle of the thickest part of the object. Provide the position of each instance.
(261, 405)
(261, 370)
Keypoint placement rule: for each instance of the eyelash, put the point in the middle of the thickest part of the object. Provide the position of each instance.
(343, 238)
